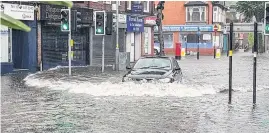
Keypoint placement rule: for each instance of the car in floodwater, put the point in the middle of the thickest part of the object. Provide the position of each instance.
(154, 68)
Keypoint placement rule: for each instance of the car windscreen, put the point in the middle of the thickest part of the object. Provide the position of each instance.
(161, 63)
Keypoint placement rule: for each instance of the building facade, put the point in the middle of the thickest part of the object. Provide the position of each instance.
(47, 47)
(139, 37)
(19, 48)
(191, 24)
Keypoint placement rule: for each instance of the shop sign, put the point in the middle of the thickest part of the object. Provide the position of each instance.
(191, 28)
(20, 12)
(137, 8)
(150, 20)
(135, 24)
(122, 18)
(53, 13)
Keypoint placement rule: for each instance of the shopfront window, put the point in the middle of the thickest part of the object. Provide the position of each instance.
(168, 40)
(193, 38)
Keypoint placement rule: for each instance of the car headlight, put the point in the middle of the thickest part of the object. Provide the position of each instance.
(165, 80)
(126, 79)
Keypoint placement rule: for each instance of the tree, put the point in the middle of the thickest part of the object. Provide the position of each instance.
(17, 24)
(250, 39)
(250, 9)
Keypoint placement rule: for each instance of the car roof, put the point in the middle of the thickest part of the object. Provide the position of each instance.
(156, 56)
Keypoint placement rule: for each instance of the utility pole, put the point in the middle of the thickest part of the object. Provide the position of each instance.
(160, 16)
(117, 36)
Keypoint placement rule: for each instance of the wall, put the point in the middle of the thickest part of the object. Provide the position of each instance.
(210, 11)
(174, 13)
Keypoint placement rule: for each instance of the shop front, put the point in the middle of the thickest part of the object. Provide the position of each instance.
(19, 48)
(54, 42)
(135, 28)
(148, 35)
(192, 36)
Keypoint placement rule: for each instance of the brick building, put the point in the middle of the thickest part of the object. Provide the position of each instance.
(190, 23)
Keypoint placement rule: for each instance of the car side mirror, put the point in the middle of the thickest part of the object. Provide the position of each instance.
(128, 67)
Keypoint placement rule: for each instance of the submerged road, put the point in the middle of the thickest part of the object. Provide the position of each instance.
(92, 102)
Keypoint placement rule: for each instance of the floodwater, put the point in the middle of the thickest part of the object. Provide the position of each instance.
(51, 101)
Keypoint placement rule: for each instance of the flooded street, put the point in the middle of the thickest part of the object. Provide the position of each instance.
(51, 101)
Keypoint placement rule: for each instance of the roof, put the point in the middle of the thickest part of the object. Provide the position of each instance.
(156, 56)
(195, 3)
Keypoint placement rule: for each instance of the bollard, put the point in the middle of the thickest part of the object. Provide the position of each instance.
(183, 54)
(255, 61)
(230, 62)
(178, 51)
(218, 54)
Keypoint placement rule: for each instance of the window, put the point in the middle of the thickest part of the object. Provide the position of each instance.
(196, 14)
(107, 2)
(215, 9)
(115, 2)
(168, 40)
(153, 62)
(129, 5)
(146, 6)
(193, 38)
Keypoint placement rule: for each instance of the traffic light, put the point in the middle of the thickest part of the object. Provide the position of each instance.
(65, 14)
(76, 20)
(100, 23)
(109, 23)
(160, 5)
(114, 23)
(160, 15)
(266, 18)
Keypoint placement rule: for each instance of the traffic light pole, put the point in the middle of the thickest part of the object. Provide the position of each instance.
(117, 37)
(103, 53)
(69, 42)
(160, 30)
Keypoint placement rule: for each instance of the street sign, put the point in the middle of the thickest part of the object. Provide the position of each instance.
(244, 27)
(215, 28)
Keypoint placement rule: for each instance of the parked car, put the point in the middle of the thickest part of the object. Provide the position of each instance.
(154, 68)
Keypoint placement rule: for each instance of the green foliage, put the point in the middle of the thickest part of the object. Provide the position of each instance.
(250, 39)
(17, 24)
(250, 9)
